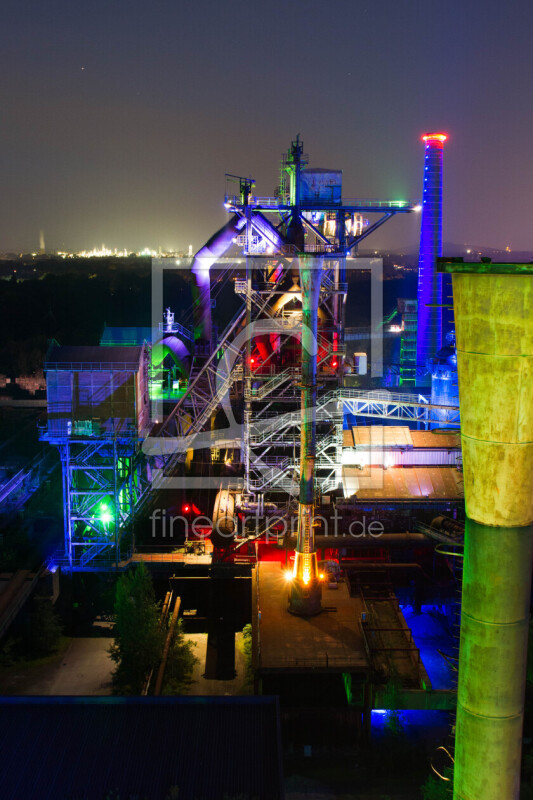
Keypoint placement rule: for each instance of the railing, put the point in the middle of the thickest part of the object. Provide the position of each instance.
(66, 428)
(175, 327)
(176, 557)
(272, 383)
(13, 483)
(92, 366)
(368, 403)
(235, 201)
(318, 661)
(93, 551)
(367, 202)
(371, 634)
(19, 599)
(321, 247)
(334, 288)
(379, 397)
(232, 201)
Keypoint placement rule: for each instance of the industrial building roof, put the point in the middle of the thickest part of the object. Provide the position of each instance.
(123, 336)
(382, 436)
(431, 439)
(347, 438)
(400, 436)
(403, 483)
(81, 358)
(155, 748)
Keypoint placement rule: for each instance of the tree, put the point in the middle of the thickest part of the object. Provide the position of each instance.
(180, 663)
(247, 650)
(391, 700)
(44, 629)
(437, 789)
(138, 639)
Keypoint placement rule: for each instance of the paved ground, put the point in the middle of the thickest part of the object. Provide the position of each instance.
(84, 668)
(203, 686)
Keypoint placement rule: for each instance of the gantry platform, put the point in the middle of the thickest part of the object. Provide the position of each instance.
(361, 634)
(329, 642)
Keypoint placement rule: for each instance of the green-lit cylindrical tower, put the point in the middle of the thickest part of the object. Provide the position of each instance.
(493, 305)
(305, 591)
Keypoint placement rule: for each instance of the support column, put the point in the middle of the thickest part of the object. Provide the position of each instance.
(494, 323)
(492, 661)
(305, 590)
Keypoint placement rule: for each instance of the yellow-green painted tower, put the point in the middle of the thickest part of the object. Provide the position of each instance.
(493, 306)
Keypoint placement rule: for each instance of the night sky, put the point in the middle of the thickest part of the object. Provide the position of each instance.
(119, 119)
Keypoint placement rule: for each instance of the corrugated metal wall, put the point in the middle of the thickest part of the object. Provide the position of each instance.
(99, 402)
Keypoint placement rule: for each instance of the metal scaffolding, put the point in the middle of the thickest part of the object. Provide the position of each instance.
(97, 401)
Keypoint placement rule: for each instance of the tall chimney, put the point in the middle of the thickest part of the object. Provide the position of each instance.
(429, 330)
(493, 306)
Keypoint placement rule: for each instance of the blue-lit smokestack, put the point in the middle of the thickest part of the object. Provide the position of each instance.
(429, 327)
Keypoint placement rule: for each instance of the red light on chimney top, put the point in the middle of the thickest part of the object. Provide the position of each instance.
(435, 137)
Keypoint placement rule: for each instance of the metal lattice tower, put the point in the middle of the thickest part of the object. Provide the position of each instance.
(97, 401)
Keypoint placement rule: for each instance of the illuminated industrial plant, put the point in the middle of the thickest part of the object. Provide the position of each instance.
(299, 438)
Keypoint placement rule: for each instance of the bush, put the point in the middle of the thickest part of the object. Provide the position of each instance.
(180, 663)
(247, 649)
(138, 641)
(43, 630)
(437, 789)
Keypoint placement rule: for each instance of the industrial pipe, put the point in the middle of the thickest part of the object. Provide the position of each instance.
(342, 542)
(171, 345)
(267, 231)
(494, 323)
(204, 259)
(305, 590)
(376, 566)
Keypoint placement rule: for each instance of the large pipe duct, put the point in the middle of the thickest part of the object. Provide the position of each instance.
(346, 542)
(494, 324)
(264, 228)
(429, 327)
(204, 259)
(171, 345)
(305, 591)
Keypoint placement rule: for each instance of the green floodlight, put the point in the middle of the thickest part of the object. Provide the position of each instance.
(105, 514)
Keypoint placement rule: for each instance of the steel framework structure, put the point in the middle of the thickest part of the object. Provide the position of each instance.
(103, 483)
(97, 415)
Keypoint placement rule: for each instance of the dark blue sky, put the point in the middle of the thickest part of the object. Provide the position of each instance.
(120, 117)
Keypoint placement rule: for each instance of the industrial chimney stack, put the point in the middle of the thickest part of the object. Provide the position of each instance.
(429, 330)
(493, 306)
